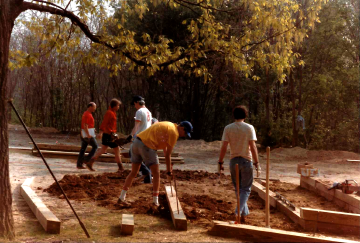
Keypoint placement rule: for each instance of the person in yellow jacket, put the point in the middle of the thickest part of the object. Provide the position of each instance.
(161, 135)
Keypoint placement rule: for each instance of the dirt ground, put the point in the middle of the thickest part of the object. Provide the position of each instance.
(204, 197)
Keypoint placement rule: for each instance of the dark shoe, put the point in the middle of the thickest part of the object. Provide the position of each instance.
(89, 164)
(147, 179)
(80, 167)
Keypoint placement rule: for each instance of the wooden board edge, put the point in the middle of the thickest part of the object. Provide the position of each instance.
(46, 218)
(267, 234)
(179, 219)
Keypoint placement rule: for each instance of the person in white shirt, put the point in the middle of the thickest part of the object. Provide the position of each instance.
(241, 137)
(143, 120)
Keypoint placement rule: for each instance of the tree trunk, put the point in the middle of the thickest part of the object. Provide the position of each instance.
(6, 217)
(293, 100)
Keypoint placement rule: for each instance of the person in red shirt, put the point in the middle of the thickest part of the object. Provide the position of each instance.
(107, 127)
(87, 135)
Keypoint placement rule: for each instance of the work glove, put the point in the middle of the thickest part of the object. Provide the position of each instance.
(257, 167)
(169, 175)
(128, 139)
(114, 136)
(221, 165)
(120, 142)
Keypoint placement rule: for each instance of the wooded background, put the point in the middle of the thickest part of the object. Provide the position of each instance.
(54, 91)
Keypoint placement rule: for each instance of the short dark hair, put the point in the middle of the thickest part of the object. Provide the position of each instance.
(240, 112)
(114, 102)
(90, 104)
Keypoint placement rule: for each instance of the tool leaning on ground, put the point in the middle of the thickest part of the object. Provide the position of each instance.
(48, 167)
(346, 186)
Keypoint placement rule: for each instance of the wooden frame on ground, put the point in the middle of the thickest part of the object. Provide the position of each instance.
(254, 233)
(178, 217)
(46, 218)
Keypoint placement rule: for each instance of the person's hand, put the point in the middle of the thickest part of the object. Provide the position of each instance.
(257, 167)
(221, 165)
(89, 136)
(169, 175)
(99, 136)
(128, 139)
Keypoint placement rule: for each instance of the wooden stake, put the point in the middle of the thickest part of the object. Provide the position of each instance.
(237, 192)
(267, 200)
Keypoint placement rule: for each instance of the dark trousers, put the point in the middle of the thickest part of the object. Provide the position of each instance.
(144, 171)
(84, 143)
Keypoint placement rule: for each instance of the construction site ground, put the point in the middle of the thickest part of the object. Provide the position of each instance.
(203, 195)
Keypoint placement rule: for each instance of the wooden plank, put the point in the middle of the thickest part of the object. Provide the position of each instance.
(351, 199)
(28, 181)
(307, 186)
(338, 228)
(333, 217)
(324, 191)
(308, 225)
(294, 215)
(256, 187)
(309, 214)
(103, 158)
(266, 234)
(46, 218)
(339, 218)
(76, 148)
(20, 148)
(308, 180)
(352, 209)
(178, 217)
(127, 224)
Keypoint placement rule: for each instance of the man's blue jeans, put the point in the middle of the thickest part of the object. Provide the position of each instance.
(84, 144)
(245, 181)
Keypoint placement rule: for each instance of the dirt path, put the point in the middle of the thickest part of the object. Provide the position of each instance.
(199, 197)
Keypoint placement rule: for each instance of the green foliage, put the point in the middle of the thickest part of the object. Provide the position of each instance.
(260, 32)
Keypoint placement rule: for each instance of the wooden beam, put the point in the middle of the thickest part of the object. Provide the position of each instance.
(245, 232)
(350, 202)
(261, 191)
(127, 224)
(46, 218)
(294, 215)
(330, 216)
(76, 148)
(103, 158)
(178, 217)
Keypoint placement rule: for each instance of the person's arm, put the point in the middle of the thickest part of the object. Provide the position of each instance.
(223, 150)
(254, 153)
(103, 126)
(86, 129)
(136, 128)
(167, 152)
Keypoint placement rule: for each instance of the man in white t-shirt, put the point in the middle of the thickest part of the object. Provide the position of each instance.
(241, 137)
(143, 120)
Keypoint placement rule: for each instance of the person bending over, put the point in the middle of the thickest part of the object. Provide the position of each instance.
(162, 135)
